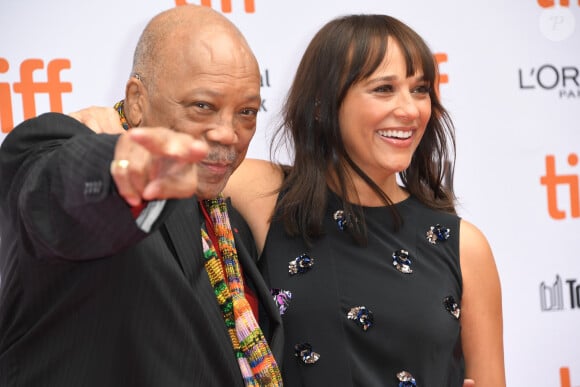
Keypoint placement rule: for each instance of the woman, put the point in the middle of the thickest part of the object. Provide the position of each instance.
(379, 281)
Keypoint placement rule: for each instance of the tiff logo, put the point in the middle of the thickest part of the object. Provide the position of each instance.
(572, 182)
(226, 5)
(565, 379)
(441, 78)
(552, 296)
(551, 3)
(29, 88)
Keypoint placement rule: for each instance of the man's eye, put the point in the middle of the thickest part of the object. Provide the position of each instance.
(202, 105)
(249, 112)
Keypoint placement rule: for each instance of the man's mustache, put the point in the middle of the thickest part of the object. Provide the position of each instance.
(220, 153)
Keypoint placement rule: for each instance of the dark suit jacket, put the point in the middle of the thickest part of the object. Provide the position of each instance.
(86, 297)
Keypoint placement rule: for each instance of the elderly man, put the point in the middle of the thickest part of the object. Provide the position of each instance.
(121, 265)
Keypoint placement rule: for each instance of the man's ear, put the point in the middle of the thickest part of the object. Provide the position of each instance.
(134, 100)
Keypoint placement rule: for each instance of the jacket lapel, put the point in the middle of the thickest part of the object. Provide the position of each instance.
(184, 220)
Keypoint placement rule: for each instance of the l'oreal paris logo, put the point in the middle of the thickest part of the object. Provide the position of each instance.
(564, 80)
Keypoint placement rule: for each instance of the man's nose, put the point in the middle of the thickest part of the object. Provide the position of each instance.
(222, 132)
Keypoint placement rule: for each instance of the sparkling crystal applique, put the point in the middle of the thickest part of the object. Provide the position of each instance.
(305, 353)
(362, 316)
(437, 233)
(406, 379)
(281, 298)
(451, 306)
(301, 264)
(402, 262)
(340, 219)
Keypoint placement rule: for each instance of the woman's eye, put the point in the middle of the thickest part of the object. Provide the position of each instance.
(423, 89)
(384, 89)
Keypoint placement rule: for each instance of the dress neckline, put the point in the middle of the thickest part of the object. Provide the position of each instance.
(334, 197)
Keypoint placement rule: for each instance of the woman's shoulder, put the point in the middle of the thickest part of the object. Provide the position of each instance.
(254, 178)
(420, 210)
(253, 189)
(473, 242)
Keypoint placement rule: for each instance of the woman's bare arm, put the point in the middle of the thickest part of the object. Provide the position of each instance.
(253, 189)
(481, 310)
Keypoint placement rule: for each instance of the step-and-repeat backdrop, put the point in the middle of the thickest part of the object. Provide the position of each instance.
(510, 78)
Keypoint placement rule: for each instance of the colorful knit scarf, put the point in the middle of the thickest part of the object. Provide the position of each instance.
(255, 359)
(120, 108)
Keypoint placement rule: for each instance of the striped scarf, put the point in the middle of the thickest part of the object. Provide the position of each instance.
(255, 359)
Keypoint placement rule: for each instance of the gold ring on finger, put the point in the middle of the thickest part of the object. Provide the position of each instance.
(123, 164)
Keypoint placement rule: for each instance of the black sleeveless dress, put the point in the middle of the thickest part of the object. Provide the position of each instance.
(387, 314)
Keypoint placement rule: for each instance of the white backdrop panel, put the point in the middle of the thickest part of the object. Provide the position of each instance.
(513, 91)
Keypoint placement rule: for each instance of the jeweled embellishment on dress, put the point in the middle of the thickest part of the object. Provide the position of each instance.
(340, 219)
(362, 316)
(406, 379)
(305, 353)
(301, 264)
(437, 233)
(452, 306)
(281, 298)
(402, 262)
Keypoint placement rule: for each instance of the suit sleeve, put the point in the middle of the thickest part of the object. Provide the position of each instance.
(58, 192)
